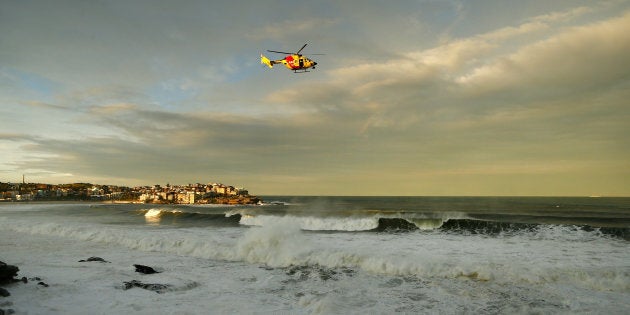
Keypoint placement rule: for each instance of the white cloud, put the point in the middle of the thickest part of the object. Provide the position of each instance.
(582, 56)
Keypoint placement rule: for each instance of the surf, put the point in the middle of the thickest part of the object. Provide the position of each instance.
(282, 243)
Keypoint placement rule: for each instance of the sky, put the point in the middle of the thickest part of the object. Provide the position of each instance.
(424, 97)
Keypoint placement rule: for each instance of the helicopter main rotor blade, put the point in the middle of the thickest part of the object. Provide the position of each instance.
(298, 52)
(280, 52)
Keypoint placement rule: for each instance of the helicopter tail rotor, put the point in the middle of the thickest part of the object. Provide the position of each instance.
(264, 60)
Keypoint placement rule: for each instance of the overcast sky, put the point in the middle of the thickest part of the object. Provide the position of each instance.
(411, 97)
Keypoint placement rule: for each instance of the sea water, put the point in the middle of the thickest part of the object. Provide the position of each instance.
(322, 255)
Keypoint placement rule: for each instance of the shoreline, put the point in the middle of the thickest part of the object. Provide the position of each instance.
(222, 201)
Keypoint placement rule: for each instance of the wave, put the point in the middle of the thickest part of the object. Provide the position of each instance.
(349, 224)
(409, 224)
(157, 216)
(282, 244)
(152, 213)
(400, 222)
(365, 221)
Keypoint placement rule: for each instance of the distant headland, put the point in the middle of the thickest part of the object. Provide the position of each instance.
(212, 193)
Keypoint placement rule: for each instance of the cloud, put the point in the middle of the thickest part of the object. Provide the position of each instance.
(585, 57)
(475, 100)
(393, 107)
(177, 147)
(113, 109)
(304, 26)
(579, 58)
(16, 137)
(562, 16)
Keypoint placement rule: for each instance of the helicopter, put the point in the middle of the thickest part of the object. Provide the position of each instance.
(293, 61)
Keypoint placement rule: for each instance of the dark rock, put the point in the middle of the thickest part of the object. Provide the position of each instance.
(6, 312)
(43, 284)
(24, 280)
(94, 259)
(145, 269)
(159, 288)
(7, 272)
(4, 292)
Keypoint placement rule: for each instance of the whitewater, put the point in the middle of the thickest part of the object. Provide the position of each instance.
(325, 255)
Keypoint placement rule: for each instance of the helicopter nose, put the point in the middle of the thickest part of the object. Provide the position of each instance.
(314, 63)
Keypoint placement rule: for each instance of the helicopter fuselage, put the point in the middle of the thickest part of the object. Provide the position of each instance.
(298, 62)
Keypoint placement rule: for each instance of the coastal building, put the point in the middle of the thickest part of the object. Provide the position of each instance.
(184, 194)
(24, 197)
(186, 198)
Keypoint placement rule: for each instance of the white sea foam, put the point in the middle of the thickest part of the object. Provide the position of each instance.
(428, 224)
(154, 216)
(278, 245)
(153, 213)
(523, 258)
(315, 223)
(278, 267)
(359, 222)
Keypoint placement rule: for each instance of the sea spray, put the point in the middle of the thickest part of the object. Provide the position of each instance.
(153, 213)
(523, 256)
(312, 223)
(277, 244)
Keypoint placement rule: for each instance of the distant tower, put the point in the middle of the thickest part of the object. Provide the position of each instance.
(23, 180)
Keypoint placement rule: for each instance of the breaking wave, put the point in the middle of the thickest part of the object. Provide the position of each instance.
(452, 223)
(283, 244)
(156, 216)
(377, 221)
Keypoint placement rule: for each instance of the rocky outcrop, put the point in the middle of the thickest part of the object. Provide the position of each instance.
(99, 259)
(145, 269)
(8, 273)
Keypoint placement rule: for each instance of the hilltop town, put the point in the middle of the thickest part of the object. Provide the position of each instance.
(212, 193)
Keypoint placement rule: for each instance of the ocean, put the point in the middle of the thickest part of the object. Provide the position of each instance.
(322, 255)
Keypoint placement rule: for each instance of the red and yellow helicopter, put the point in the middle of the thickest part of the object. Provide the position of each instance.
(293, 61)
